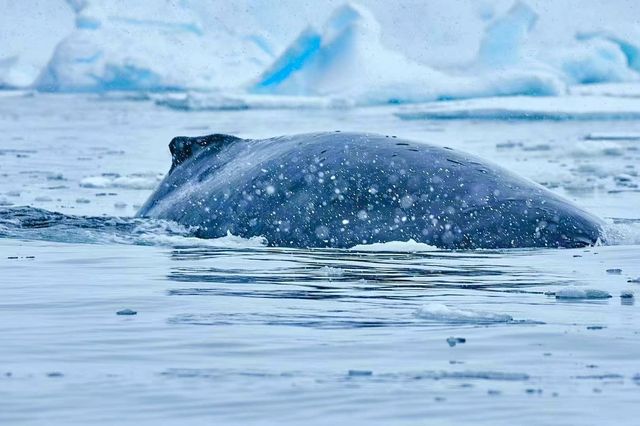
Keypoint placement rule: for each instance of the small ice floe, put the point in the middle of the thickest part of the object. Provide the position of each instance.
(634, 280)
(133, 181)
(231, 240)
(55, 374)
(446, 314)
(410, 246)
(331, 272)
(360, 373)
(614, 271)
(573, 292)
(626, 294)
(95, 182)
(452, 341)
(126, 312)
(83, 200)
(120, 205)
(43, 199)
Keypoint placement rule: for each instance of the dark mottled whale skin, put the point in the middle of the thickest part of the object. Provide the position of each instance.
(343, 189)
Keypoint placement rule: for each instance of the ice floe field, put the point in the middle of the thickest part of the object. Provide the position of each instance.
(107, 318)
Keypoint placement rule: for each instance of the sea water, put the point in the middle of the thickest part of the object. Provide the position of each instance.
(108, 319)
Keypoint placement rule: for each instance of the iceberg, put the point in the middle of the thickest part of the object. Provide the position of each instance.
(177, 46)
(630, 50)
(503, 39)
(592, 61)
(16, 74)
(222, 55)
(348, 59)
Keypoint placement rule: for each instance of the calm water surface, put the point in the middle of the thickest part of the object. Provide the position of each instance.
(230, 332)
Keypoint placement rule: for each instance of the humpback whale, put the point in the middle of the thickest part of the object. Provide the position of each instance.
(338, 189)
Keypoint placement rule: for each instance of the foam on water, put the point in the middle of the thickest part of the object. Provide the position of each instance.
(29, 223)
(621, 232)
(410, 246)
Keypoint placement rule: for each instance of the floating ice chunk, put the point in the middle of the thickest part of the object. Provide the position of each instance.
(95, 182)
(443, 313)
(134, 181)
(330, 271)
(410, 246)
(626, 294)
(126, 312)
(452, 341)
(199, 101)
(573, 292)
(360, 373)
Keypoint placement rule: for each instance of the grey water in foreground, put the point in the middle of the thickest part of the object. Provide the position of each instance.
(228, 331)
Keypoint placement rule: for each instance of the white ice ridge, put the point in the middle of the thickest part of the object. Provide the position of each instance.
(528, 108)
